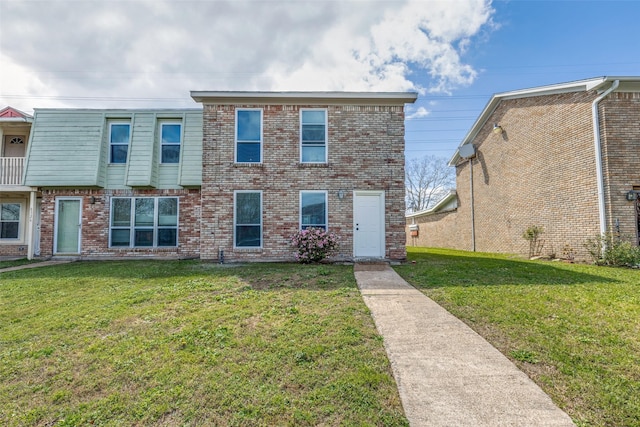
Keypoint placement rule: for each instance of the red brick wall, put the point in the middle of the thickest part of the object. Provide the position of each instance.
(366, 152)
(95, 223)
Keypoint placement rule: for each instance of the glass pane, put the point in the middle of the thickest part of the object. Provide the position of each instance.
(313, 134)
(248, 236)
(8, 230)
(171, 133)
(248, 125)
(120, 133)
(167, 237)
(144, 212)
(144, 237)
(170, 154)
(121, 212)
(313, 154)
(120, 237)
(167, 211)
(247, 208)
(248, 153)
(68, 231)
(313, 209)
(313, 117)
(119, 153)
(10, 212)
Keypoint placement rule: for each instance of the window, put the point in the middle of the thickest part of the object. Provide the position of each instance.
(119, 134)
(248, 136)
(248, 219)
(10, 220)
(313, 209)
(170, 136)
(144, 222)
(313, 136)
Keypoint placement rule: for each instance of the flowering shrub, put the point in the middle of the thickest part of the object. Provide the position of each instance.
(314, 244)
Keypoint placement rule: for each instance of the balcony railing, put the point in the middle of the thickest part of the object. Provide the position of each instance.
(11, 169)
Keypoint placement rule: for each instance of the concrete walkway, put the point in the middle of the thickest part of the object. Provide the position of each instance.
(447, 374)
(35, 265)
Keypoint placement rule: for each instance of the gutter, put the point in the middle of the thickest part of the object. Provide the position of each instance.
(598, 149)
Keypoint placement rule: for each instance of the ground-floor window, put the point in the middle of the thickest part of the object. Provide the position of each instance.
(313, 209)
(143, 222)
(10, 221)
(247, 219)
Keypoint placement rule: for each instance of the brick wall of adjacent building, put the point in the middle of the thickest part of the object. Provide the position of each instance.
(620, 119)
(95, 223)
(539, 171)
(365, 152)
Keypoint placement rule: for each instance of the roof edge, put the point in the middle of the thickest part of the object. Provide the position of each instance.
(596, 83)
(434, 209)
(231, 97)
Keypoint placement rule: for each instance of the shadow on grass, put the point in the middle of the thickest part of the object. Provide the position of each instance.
(441, 268)
(258, 276)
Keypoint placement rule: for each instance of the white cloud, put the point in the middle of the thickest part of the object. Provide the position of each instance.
(419, 113)
(139, 53)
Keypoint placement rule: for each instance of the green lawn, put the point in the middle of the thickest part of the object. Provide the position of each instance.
(575, 329)
(189, 343)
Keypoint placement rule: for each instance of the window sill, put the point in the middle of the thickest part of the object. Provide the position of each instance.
(144, 249)
(248, 165)
(313, 165)
(247, 249)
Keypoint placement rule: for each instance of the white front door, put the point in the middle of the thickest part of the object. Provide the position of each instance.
(67, 226)
(368, 224)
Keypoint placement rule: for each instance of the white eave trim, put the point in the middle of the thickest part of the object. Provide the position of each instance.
(369, 98)
(435, 208)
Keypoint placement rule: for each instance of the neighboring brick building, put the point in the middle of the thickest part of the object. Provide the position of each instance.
(238, 178)
(536, 161)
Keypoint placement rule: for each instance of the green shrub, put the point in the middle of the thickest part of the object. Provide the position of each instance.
(532, 235)
(613, 249)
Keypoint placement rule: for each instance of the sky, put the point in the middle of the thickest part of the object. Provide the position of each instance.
(455, 53)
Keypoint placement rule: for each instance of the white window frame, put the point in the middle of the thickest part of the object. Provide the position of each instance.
(179, 143)
(326, 209)
(155, 228)
(261, 141)
(127, 144)
(21, 222)
(235, 219)
(326, 135)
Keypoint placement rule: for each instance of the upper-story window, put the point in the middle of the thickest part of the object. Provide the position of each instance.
(119, 136)
(10, 220)
(170, 138)
(313, 136)
(249, 136)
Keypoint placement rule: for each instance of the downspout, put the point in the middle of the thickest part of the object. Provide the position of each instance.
(473, 215)
(598, 148)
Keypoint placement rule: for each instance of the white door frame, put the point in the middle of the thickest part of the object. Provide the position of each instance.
(55, 225)
(381, 213)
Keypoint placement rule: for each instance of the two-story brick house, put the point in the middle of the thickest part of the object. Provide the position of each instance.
(238, 177)
(564, 157)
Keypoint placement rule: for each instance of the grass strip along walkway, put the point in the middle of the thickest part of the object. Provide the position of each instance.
(574, 329)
